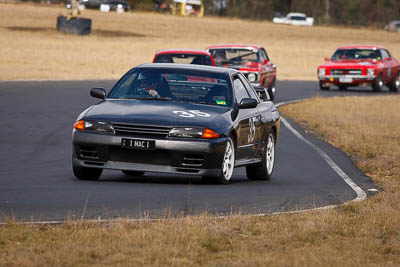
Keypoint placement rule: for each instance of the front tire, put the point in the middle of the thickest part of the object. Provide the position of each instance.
(84, 173)
(342, 87)
(395, 86)
(272, 90)
(322, 87)
(263, 170)
(228, 164)
(378, 84)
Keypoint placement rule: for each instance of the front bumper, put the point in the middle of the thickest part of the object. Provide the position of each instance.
(180, 156)
(346, 79)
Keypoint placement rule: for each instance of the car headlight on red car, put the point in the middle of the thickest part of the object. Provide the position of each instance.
(252, 77)
(321, 72)
(99, 126)
(371, 72)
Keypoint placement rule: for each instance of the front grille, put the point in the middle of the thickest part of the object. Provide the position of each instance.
(346, 72)
(156, 157)
(125, 129)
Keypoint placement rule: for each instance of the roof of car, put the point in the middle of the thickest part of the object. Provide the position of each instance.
(362, 47)
(297, 14)
(183, 51)
(235, 46)
(187, 67)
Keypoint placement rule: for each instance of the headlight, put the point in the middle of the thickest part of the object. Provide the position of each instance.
(370, 72)
(99, 126)
(321, 72)
(187, 132)
(252, 77)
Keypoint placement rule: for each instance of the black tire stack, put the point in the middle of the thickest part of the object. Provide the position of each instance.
(78, 26)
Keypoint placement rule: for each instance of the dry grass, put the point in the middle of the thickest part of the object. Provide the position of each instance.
(357, 234)
(32, 49)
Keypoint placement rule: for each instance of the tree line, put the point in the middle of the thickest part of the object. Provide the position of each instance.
(339, 12)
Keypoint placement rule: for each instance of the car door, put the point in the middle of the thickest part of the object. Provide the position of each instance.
(269, 69)
(387, 73)
(247, 122)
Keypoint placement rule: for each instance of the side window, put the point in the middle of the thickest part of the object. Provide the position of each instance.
(266, 55)
(240, 90)
(249, 88)
(262, 56)
(385, 53)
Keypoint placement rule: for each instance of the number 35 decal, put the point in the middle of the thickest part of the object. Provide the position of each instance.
(191, 113)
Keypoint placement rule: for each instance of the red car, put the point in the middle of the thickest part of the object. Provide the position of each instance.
(184, 56)
(360, 66)
(251, 60)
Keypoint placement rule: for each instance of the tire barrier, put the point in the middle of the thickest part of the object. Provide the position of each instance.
(79, 26)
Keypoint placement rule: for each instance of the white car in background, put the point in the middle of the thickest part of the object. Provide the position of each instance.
(297, 19)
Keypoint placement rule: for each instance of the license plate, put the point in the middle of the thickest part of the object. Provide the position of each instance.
(346, 80)
(138, 144)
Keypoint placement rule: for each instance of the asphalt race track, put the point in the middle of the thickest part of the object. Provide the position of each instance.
(37, 184)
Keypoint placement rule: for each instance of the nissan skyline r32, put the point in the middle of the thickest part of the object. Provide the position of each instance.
(251, 60)
(179, 119)
(360, 66)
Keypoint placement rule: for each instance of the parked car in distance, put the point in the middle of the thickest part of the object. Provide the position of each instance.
(296, 19)
(251, 60)
(184, 56)
(360, 66)
(393, 26)
(179, 119)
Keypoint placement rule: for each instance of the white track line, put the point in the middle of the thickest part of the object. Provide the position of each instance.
(361, 195)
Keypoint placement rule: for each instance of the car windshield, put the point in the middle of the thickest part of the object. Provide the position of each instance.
(181, 85)
(233, 56)
(184, 59)
(298, 18)
(357, 54)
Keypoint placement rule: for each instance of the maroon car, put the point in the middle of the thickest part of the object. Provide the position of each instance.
(370, 66)
(184, 56)
(251, 60)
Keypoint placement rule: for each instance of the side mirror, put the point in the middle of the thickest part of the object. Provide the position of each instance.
(98, 93)
(327, 59)
(247, 103)
(265, 61)
(387, 59)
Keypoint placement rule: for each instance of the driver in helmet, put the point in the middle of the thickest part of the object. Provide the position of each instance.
(154, 84)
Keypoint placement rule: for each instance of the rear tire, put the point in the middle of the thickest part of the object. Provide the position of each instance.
(322, 87)
(264, 170)
(83, 173)
(395, 86)
(378, 84)
(133, 173)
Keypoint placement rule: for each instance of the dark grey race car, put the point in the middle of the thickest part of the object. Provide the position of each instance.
(180, 119)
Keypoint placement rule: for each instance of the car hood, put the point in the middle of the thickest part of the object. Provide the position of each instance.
(348, 64)
(155, 112)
